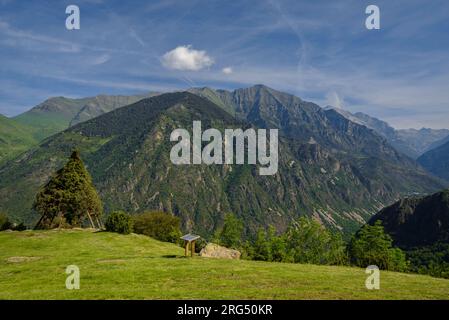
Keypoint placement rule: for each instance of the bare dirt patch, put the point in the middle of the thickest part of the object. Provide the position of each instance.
(22, 259)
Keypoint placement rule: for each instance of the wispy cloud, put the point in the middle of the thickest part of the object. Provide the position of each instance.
(101, 59)
(334, 99)
(318, 50)
(32, 40)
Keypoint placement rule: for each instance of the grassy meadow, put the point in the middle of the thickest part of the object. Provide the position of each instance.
(113, 266)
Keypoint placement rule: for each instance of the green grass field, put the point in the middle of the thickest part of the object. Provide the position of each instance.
(112, 266)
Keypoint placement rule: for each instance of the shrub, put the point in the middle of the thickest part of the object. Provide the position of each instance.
(120, 222)
(278, 246)
(310, 242)
(20, 227)
(306, 241)
(262, 248)
(158, 225)
(433, 260)
(372, 246)
(231, 234)
(268, 246)
(247, 251)
(5, 224)
(199, 244)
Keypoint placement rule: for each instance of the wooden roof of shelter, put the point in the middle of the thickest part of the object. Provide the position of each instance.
(190, 237)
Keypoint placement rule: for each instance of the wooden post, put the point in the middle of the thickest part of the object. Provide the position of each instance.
(192, 247)
(187, 246)
(98, 222)
(37, 226)
(90, 218)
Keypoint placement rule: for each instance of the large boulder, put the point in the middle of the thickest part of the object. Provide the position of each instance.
(212, 250)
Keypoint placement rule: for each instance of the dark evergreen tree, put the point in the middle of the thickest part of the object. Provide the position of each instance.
(69, 198)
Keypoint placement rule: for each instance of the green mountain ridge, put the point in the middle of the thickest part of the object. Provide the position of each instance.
(59, 113)
(102, 104)
(330, 168)
(51, 116)
(417, 221)
(54, 115)
(14, 138)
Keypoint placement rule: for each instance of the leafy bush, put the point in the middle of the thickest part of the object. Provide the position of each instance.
(306, 241)
(309, 242)
(20, 227)
(159, 225)
(199, 244)
(5, 224)
(278, 246)
(261, 249)
(231, 234)
(270, 247)
(120, 222)
(247, 250)
(372, 246)
(432, 260)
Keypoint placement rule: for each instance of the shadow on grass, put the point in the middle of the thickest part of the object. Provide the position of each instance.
(174, 256)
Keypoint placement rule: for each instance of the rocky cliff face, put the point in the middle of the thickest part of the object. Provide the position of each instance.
(411, 142)
(417, 222)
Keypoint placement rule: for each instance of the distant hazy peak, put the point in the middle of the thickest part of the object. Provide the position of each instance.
(348, 115)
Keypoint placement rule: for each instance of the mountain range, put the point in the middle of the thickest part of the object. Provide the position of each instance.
(52, 116)
(58, 113)
(411, 142)
(437, 161)
(337, 170)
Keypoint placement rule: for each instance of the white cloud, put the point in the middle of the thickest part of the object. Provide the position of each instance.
(227, 70)
(186, 58)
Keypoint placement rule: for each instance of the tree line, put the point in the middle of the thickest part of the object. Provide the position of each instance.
(307, 241)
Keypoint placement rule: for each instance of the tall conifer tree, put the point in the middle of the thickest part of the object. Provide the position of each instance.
(69, 197)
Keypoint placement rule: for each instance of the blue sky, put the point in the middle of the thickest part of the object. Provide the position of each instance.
(318, 50)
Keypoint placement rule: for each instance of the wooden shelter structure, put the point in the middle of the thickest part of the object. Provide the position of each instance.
(189, 239)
